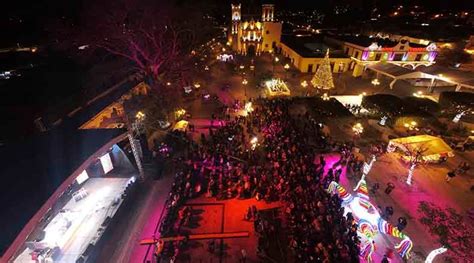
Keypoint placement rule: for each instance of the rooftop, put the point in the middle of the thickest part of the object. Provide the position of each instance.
(365, 41)
(34, 168)
(311, 46)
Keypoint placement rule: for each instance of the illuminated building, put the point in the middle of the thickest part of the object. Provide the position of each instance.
(365, 51)
(307, 53)
(253, 30)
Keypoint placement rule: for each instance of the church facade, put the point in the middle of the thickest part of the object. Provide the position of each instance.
(254, 30)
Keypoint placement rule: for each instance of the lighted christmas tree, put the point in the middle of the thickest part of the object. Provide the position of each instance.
(323, 77)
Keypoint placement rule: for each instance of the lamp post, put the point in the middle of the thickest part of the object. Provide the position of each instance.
(287, 67)
(375, 82)
(245, 82)
(274, 62)
(304, 84)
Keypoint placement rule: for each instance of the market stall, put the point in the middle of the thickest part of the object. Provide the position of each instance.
(431, 148)
(181, 125)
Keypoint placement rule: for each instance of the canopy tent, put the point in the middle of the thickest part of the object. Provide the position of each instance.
(181, 125)
(455, 77)
(431, 148)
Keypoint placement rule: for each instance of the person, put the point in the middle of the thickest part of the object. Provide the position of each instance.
(390, 187)
(211, 246)
(388, 212)
(402, 223)
(450, 175)
(243, 258)
(385, 259)
(375, 188)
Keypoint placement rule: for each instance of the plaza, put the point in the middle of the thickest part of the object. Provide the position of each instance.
(259, 135)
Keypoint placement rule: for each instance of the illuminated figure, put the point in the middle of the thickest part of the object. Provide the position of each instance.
(369, 220)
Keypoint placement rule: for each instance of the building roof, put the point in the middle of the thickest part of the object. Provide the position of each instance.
(365, 41)
(390, 69)
(465, 78)
(34, 168)
(311, 46)
(430, 144)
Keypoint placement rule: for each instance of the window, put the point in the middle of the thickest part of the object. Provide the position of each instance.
(356, 54)
(310, 68)
(347, 50)
(332, 66)
(377, 56)
(402, 47)
(418, 57)
(398, 57)
(268, 32)
(266, 45)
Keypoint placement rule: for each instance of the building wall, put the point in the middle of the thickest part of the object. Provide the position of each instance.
(303, 64)
(238, 35)
(401, 52)
(271, 34)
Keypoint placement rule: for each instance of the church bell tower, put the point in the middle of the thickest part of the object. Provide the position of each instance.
(267, 12)
(236, 16)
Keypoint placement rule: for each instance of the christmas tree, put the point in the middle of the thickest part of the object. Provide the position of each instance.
(323, 77)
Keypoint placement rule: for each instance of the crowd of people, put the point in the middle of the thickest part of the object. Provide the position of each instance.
(273, 155)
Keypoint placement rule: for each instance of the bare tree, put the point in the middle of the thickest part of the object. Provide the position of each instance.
(415, 156)
(156, 37)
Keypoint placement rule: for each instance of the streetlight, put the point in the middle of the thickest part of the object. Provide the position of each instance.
(274, 62)
(140, 116)
(418, 94)
(304, 84)
(325, 96)
(245, 82)
(411, 126)
(375, 82)
(358, 129)
(286, 67)
(252, 68)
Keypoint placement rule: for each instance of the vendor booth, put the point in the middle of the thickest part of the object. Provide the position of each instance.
(432, 148)
(181, 125)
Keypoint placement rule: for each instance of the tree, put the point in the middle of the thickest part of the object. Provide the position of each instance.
(323, 77)
(454, 56)
(155, 37)
(451, 230)
(415, 157)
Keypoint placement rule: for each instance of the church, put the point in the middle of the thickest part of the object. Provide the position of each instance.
(253, 28)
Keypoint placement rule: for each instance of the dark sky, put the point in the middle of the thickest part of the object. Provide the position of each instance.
(35, 14)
